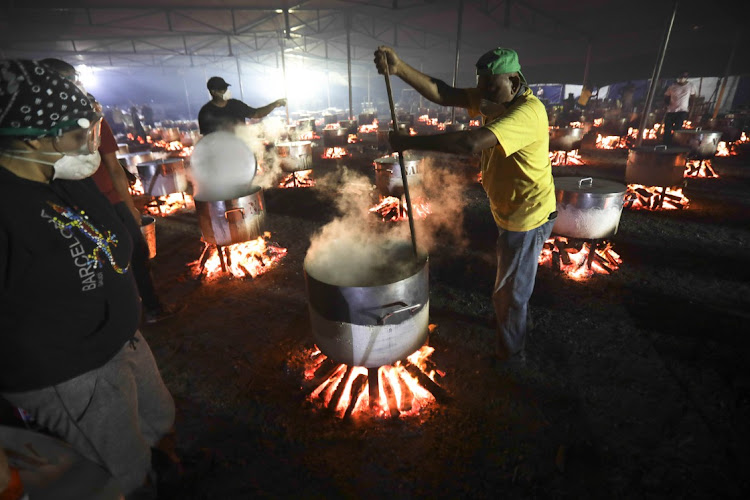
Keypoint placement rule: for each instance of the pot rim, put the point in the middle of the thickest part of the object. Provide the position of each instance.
(424, 260)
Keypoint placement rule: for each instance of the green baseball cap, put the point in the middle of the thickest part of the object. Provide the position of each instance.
(498, 62)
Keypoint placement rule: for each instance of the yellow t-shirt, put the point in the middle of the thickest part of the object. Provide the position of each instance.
(520, 185)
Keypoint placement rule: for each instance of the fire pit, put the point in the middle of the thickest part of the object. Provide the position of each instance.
(228, 222)
(296, 158)
(335, 136)
(372, 317)
(650, 169)
(370, 322)
(703, 145)
(564, 143)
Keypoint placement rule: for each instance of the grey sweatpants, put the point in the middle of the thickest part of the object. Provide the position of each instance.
(517, 262)
(112, 415)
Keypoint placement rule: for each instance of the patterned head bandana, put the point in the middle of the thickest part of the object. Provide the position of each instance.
(37, 102)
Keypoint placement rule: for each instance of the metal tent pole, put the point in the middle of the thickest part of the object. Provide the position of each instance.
(283, 75)
(239, 76)
(737, 37)
(349, 61)
(458, 46)
(655, 76)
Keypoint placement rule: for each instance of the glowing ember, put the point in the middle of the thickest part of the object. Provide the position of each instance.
(723, 150)
(332, 126)
(334, 153)
(700, 168)
(479, 177)
(611, 142)
(352, 139)
(169, 204)
(598, 122)
(401, 387)
(687, 124)
(412, 131)
(302, 178)
(369, 129)
(392, 209)
(247, 259)
(639, 197)
(441, 126)
(559, 158)
(648, 134)
(136, 188)
(474, 123)
(579, 263)
(308, 136)
(428, 121)
(169, 146)
(575, 125)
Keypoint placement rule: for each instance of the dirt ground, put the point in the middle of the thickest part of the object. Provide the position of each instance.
(636, 384)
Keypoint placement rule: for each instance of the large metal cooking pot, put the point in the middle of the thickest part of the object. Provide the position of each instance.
(374, 324)
(388, 178)
(227, 222)
(306, 125)
(148, 230)
(588, 208)
(365, 118)
(616, 125)
(349, 125)
(123, 148)
(335, 137)
(295, 156)
(656, 166)
(163, 177)
(454, 127)
(701, 143)
(565, 138)
(132, 160)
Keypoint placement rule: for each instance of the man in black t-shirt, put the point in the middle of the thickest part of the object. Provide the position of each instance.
(223, 113)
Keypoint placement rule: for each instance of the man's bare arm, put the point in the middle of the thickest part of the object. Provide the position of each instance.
(466, 142)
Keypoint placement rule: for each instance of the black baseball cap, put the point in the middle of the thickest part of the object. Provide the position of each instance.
(216, 83)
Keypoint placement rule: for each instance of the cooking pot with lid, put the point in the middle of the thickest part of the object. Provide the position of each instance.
(294, 156)
(588, 208)
(227, 222)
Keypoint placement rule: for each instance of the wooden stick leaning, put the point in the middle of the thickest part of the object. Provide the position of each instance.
(409, 211)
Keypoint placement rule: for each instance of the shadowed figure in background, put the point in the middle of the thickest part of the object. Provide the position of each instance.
(224, 113)
(516, 172)
(678, 98)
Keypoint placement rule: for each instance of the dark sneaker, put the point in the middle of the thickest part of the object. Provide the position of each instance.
(514, 362)
(157, 314)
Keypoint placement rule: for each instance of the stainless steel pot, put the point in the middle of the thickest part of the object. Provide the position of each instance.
(306, 125)
(588, 208)
(656, 166)
(170, 134)
(615, 126)
(455, 127)
(701, 143)
(163, 177)
(565, 138)
(388, 174)
(365, 118)
(123, 148)
(148, 230)
(295, 156)
(372, 325)
(335, 137)
(349, 125)
(227, 222)
(132, 160)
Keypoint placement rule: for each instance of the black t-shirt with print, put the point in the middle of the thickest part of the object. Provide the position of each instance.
(68, 300)
(212, 118)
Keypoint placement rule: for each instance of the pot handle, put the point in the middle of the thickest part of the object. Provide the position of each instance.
(410, 309)
(589, 180)
(233, 212)
(660, 146)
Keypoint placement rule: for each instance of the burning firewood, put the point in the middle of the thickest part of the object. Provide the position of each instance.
(357, 387)
(441, 395)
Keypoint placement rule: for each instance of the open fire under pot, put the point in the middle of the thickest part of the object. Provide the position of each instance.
(703, 145)
(564, 142)
(655, 176)
(368, 328)
(227, 222)
(391, 206)
(295, 158)
(588, 215)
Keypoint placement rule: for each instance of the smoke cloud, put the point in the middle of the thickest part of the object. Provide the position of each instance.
(358, 249)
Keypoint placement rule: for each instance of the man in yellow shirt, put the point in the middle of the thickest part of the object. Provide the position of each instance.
(516, 172)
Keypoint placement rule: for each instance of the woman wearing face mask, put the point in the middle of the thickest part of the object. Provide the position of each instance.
(72, 355)
(223, 113)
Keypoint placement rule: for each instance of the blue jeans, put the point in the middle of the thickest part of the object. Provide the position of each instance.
(517, 262)
(672, 122)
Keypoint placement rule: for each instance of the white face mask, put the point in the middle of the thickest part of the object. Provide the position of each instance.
(227, 95)
(75, 168)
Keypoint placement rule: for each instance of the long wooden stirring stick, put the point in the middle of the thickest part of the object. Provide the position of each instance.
(409, 212)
